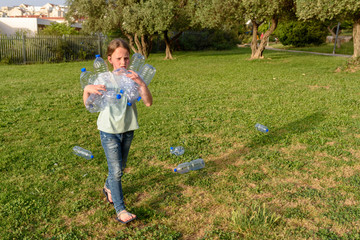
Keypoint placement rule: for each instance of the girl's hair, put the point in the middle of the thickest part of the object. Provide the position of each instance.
(116, 43)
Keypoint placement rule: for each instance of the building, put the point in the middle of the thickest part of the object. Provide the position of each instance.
(30, 19)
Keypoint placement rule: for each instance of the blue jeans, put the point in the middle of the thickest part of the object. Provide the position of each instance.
(116, 147)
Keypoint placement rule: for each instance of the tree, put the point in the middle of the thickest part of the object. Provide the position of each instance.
(108, 15)
(59, 29)
(336, 9)
(138, 20)
(231, 13)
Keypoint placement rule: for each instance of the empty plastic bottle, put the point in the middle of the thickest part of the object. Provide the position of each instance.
(111, 97)
(81, 152)
(190, 166)
(179, 150)
(86, 78)
(95, 102)
(147, 73)
(136, 62)
(100, 65)
(261, 128)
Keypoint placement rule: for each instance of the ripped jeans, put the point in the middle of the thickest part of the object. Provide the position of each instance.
(116, 147)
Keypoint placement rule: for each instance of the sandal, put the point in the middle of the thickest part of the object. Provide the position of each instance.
(124, 212)
(107, 192)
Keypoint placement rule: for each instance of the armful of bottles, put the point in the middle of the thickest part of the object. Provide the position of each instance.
(124, 86)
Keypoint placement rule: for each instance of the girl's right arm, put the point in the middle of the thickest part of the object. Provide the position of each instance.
(89, 89)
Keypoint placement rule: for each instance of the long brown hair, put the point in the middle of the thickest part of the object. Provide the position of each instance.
(114, 44)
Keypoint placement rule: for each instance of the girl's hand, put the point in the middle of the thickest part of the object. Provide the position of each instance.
(94, 89)
(135, 77)
(143, 89)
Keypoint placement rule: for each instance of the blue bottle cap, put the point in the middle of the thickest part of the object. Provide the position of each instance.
(139, 98)
(121, 91)
(171, 148)
(129, 103)
(118, 96)
(97, 55)
(267, 130)
(92, 156)
(175, 170)
(83, 70)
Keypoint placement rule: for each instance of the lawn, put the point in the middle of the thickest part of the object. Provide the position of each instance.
(300, 180)
(345, 48)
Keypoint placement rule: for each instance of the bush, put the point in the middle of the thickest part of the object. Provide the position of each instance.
(299, 34)
(208, 39)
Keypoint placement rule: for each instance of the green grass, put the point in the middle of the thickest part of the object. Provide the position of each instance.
(299, 181)
(345, 48)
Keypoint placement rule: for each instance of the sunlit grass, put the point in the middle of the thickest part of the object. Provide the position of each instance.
(298, 181)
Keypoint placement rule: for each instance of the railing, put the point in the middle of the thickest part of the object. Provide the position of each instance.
(22, 49)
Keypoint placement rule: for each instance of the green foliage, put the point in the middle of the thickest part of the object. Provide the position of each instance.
(58, 29)
(325, 9)
(299, 34)
(209, 39)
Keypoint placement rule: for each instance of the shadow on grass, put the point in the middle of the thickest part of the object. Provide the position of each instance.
(275, 136)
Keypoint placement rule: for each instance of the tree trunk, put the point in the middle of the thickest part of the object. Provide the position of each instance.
(168, 52)
(356, 38)
(254, 40)
(143, 47)
(257, 50)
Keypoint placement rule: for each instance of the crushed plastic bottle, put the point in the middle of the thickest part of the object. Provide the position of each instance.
(179, 150)
(190, 166)
(261, 128)
(81, 152)
(96, 102)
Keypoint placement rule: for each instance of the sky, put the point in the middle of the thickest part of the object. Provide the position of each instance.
(12, 3)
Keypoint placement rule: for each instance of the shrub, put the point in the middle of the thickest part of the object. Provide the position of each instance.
(299, 34)
(207, 39)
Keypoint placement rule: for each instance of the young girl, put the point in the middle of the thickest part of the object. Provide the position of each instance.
(117, 124)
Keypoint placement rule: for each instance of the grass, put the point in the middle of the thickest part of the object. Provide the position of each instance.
(346, 48)
(299, 181)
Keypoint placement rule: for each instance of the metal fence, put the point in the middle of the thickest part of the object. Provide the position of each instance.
(23, 49)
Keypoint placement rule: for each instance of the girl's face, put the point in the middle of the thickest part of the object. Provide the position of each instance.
(119, 58)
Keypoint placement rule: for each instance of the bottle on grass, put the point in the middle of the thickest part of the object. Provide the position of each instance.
(190, 166)
(81, 152)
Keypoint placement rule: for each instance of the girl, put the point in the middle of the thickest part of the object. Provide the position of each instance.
(117, 124)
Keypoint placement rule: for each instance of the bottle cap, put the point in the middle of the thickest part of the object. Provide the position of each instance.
(83, 70)
(92, 156)
(118, 96)
(171, 148)
(175, 170)
(129, 103)
(121, 91)
(97, 55)
(139, 98)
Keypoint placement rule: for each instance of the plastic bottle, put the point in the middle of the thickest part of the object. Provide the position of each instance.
(190, 166)
(100, 65)
(111, 97)
(136, 62)
(179, 150)
(147, 73)
(81, 152)
(95, 102)
(86, 78)
(261, 128)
